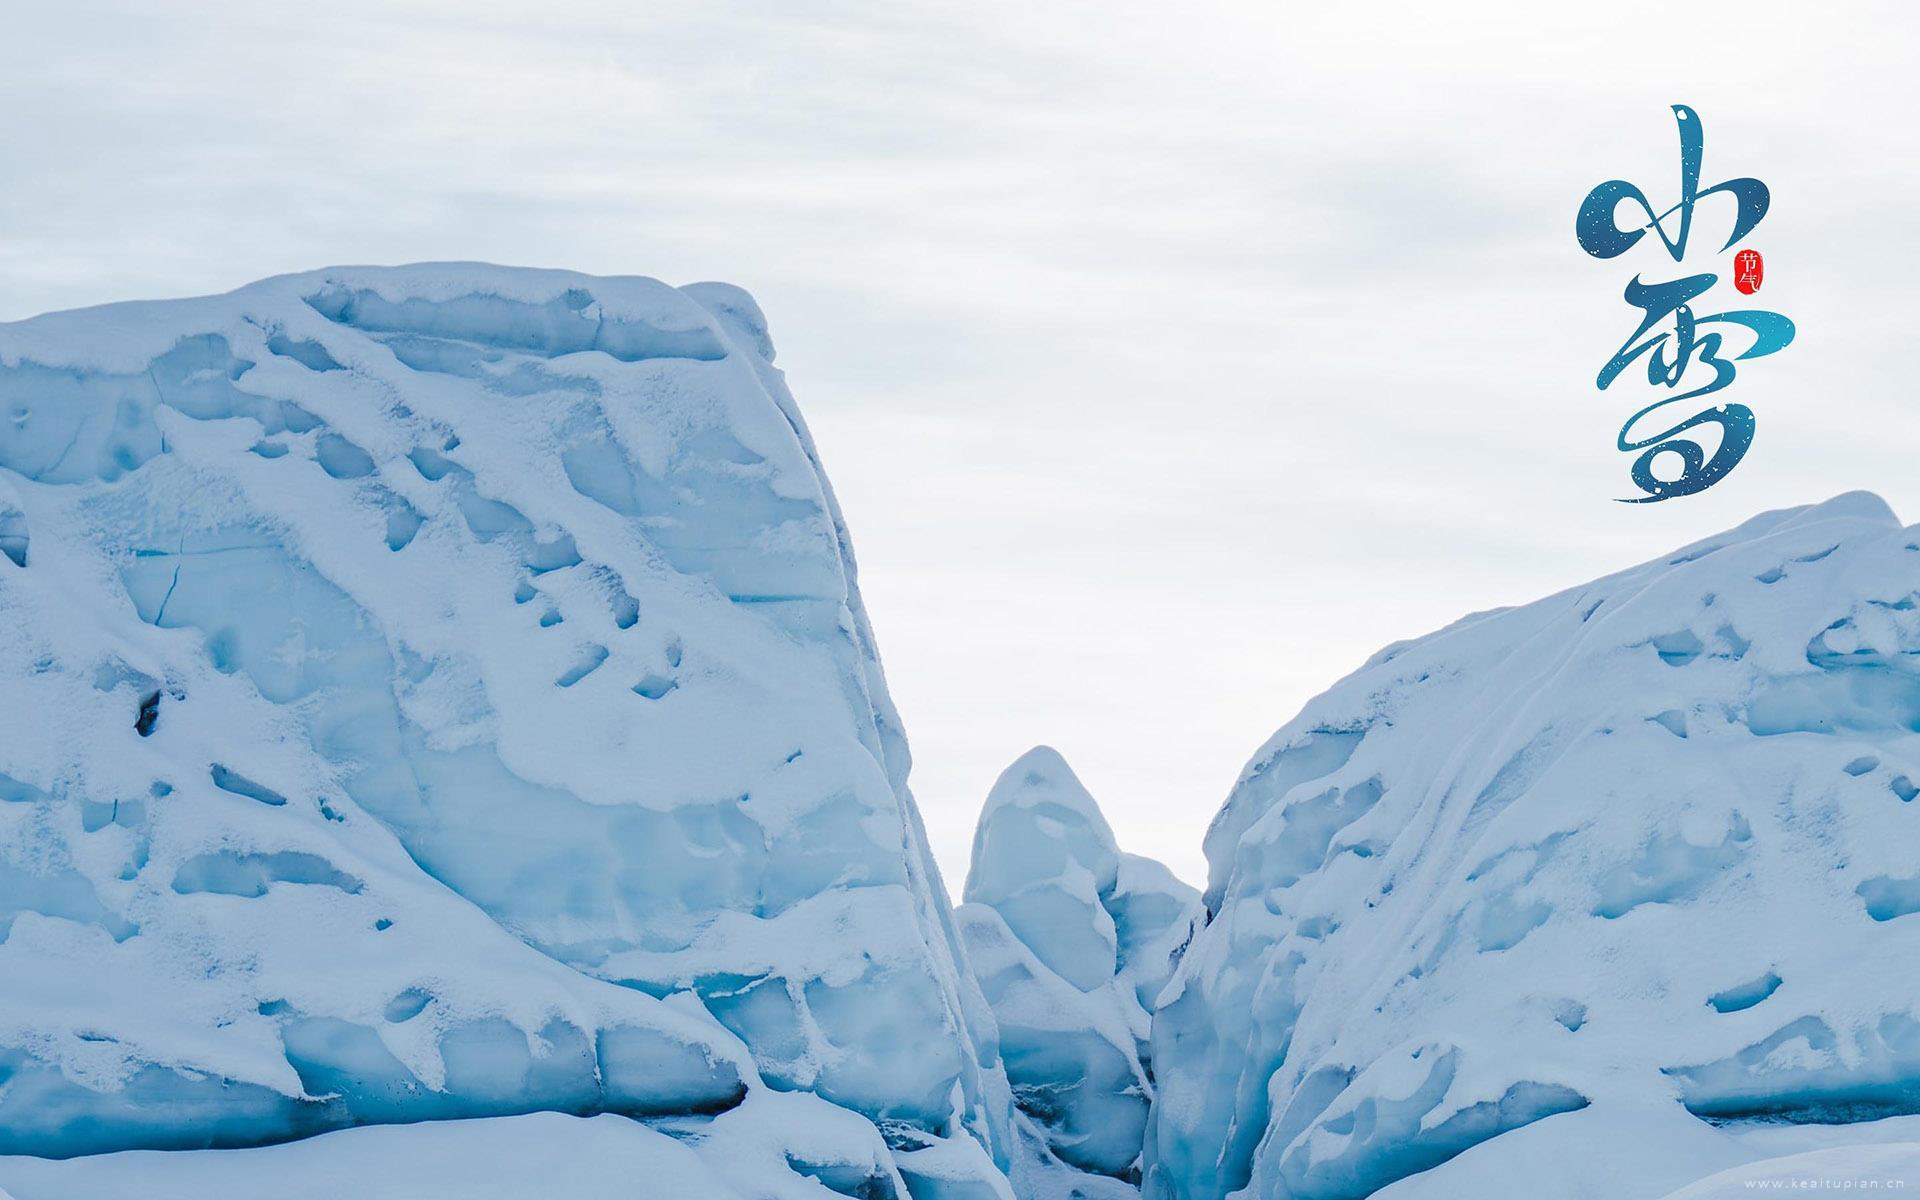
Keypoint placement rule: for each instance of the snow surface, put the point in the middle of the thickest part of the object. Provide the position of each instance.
(774, 1147)
(1854, 1168)
(443, 692)
(1595, 887)
(1071, 940)
(1635, 1152)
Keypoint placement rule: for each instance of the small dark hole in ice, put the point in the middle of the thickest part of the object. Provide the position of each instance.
(149, 715)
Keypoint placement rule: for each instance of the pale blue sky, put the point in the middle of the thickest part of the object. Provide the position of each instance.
(1169, 360)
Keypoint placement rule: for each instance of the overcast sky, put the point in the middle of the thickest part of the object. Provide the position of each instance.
(1168, 359)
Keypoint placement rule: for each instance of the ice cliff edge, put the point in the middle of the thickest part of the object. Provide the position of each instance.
(443, 692)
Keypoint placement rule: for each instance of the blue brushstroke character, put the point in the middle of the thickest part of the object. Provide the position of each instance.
(1672, 351)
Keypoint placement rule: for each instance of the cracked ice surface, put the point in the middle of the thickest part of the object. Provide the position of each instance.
(443, 692)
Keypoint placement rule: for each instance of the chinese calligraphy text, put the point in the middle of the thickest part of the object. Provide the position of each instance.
(1685, 351)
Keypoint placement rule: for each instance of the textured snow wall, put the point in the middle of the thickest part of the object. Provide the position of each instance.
(1072, 941)
(1628, 872)
(444, 692)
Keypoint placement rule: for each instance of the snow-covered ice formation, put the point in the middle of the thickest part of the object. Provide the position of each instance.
(1071, 940)
(445, 749)
(1610, 891)
(443, 693)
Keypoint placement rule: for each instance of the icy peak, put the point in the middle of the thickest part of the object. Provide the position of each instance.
(1071, 940)
(1041, 778)
(1043, 855)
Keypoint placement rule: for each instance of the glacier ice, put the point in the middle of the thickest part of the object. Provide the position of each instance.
(1071, 940)
(1604, 890)
(446, 749)
(443, 693)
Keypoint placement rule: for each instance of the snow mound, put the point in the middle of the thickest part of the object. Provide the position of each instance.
(1071, 941)
(1634, 849)
(443, 692)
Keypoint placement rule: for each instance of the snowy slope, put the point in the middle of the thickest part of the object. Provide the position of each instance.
(1071, 940)
(443, 692)
(1600, 886)
(1851, 1169)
